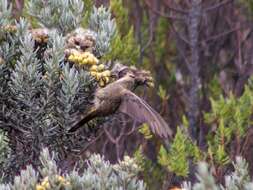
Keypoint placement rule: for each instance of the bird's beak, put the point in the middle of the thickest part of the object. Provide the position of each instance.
(150, 82)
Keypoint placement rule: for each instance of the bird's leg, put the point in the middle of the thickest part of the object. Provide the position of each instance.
(110, 137)
(133, 129)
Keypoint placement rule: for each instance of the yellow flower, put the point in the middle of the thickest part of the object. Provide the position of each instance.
(107, 80)
(89, 61)
(83, 58)
(10, 28)
(60, 179)
(40, 187)
(79, 59)
(45, 183)
(98, 76)
(71, 58)
(101, 67)
(106, 73)
(93, 73)
(91, 58)
(95, 60)
(84, 61)
(101, 83)
(94, 68)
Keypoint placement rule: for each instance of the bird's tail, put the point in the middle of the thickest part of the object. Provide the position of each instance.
(89, 116)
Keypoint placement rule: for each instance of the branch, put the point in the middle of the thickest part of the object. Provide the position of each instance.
(215, 37)
(223, 3)
(90, 143)
(162, 14)
(175, 9)
(178, 48)
(133, 129)
(179, 35)
(151, 36)
(109, 135)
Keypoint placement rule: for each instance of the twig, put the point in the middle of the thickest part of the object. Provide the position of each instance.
(162, 14)
(133, 129)
(90, 143)
(151, 27)
(175, 9)
(179, 35)
(215, 37)
(218, 5)
(114, 141)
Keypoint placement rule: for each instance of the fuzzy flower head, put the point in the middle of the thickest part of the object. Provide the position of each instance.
(128, 165)
(57, 180)
(101, 74)
(83, 58)
(9, 28)
(40, 35)
(82, 39)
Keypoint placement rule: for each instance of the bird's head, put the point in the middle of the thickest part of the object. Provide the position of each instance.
(141, 77)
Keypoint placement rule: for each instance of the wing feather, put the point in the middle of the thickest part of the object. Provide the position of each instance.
(139, 110)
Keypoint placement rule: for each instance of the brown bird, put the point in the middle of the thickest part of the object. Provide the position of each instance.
(117, 97)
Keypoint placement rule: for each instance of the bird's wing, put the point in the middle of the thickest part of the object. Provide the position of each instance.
(139, 110)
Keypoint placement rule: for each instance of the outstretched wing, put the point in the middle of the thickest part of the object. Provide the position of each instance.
(139, 110)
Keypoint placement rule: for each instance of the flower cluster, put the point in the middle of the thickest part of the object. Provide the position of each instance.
(128, 165)
(9, 28)
(101, 74)
(98, 71)
(40, 35)
(83, 58)
(59, 182)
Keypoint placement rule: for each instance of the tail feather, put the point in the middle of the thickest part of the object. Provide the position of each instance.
(91, 114)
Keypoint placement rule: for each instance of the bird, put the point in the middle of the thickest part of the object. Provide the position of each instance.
(118, 97)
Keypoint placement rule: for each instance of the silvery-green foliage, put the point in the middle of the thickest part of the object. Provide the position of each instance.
(187, 186)
(27, 179)
(25, 112)
(4, 187)
(40, 92)
(240, 178)
(56, 44)
(5, 12)
(4, 150)
(9, 46)
(51, 81)
(49, 167)
(64, 15)
(26, 78)
(22, 28)
(206, 180)
(101, 22)
(237, 180)
(68, 93)
(99, 174)
(248, 186)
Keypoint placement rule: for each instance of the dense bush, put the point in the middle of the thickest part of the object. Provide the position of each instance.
(99, 174)
(45, 77)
